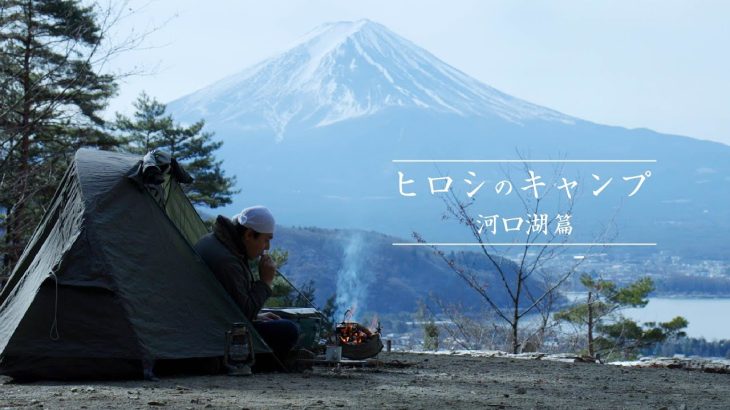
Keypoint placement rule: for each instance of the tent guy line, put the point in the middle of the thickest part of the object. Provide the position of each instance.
(156, 304)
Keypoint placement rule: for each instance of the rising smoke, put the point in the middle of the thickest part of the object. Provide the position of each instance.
(353, 280)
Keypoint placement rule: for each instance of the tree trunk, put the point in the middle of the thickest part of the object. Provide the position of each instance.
(16, 217)
(516, 314)
(591, 351)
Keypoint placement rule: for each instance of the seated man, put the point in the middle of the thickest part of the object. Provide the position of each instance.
(227, 251)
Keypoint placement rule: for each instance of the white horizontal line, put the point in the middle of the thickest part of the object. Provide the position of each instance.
(524, 160)
(523, 244)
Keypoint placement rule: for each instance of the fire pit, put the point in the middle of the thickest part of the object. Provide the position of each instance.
(357, 341)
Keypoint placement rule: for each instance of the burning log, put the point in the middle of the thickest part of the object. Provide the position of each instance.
(357, 341)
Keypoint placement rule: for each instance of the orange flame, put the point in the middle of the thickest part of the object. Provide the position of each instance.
(352, 333)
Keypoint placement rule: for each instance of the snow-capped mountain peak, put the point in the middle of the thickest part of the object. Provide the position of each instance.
(346, 70)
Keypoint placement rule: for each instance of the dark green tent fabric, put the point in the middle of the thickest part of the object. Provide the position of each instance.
(109, 280)
(183, 215)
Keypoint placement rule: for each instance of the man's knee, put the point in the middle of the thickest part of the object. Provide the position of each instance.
(289, 331)
(282, 333)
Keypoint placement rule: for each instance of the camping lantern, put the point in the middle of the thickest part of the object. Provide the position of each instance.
(238, 355)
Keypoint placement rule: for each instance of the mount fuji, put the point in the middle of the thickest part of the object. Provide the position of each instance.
(313, 133)
(347, 70)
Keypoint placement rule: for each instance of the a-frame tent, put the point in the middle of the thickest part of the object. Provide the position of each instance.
(109, 283)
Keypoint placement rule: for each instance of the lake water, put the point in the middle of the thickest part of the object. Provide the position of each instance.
(708, 318)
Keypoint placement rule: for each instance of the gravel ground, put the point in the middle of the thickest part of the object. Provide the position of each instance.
(433, 381)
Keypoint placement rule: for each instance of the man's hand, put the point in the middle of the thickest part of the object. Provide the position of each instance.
(267, 269)
(265, 317)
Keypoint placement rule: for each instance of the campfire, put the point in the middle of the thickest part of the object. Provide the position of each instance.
(357, 341)
(352, 333)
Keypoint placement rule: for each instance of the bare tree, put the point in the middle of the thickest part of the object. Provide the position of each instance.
(531, 285)
(468, 332)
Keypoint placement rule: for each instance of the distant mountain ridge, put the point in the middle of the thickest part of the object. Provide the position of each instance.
(397, 279)
(313, 132)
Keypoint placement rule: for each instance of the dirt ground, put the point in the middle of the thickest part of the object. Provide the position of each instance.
(433, 381)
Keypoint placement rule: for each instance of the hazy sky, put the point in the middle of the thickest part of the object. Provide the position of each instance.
(658, 64)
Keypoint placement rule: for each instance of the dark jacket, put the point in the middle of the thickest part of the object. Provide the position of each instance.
(224, 254)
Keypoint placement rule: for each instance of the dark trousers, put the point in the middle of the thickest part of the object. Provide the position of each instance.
(281, 335)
